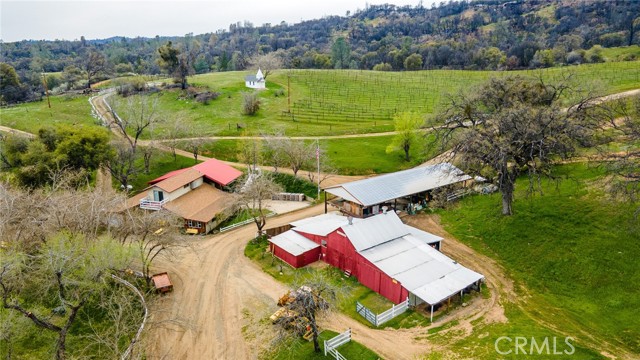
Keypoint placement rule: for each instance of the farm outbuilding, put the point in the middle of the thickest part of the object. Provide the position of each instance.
(295, 249)
(364, 198)
(389, 257)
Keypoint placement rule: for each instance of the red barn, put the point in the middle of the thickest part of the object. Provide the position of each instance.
(391, 258)
(294, 249)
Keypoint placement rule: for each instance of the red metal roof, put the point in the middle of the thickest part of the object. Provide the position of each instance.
(217, 171)
(212, 169)
(167, 175)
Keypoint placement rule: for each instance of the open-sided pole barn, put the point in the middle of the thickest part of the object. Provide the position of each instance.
(389, 257)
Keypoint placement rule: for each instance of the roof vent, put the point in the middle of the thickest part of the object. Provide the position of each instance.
(384, 209)
(350, 219)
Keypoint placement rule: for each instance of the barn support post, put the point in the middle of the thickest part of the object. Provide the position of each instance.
(325, 202)
(431, 313)
(461, 296)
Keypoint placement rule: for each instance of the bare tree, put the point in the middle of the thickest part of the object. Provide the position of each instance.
(175, 130)
(251, 155)
(250, 103)
(267, 63)
(251, 192)
(514, 125)
(147, 153)
(326, 168)
(273, 153)
(94, 64)
(624, 117)
(152, 233)
(65, 274)
(297, 153)
(135, 114)
(122, 163)
(304, 305)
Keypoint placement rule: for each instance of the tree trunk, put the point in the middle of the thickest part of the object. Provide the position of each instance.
(406, 151)
(507, 180)
(506, 204)
(506, 189)
(314, 329)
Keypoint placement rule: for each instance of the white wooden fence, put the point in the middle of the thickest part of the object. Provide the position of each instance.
(457, 194)
(379, 319)
(331, 344)
(248, 221)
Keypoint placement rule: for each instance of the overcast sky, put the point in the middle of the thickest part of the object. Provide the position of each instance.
(50, 19)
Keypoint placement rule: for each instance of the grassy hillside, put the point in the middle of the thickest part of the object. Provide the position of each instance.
(69, 110)
(334, 102)
(574, 248)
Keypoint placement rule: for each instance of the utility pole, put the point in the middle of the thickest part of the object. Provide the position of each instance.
(289, 91)
(318, 158)
(46, 89)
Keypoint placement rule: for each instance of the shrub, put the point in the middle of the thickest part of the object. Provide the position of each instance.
(250, 103)
(207, 96)
(131, 86)
(382, 67)
(575, 57)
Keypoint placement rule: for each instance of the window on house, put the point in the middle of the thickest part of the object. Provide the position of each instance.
(194, 224)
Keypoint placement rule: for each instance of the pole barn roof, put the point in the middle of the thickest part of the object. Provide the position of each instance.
(421, 269)
(399, 184)
(293, 243)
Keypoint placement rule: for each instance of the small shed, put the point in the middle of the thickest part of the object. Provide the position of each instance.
(162, 282)
(294, 249)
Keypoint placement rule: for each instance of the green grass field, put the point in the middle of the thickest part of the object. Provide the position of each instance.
(622, 52)
(574, 248)
(332, 102)
(161, 163)
(350, 156)
(30, 117)
(300, 349)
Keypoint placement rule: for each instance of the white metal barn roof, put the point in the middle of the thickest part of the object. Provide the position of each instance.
(375, 230)
(322, 224)
(387, 187)
(421, 269)
(293, 243)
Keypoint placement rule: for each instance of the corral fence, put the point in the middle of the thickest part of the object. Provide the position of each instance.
(457, 194)
(379, 319)
(331, 344)
(242, 223)
(271, 232)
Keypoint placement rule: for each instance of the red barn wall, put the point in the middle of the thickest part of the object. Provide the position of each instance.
(376, 280)
(309, 257)
(301, 260)
(340, 253)
(285, 256)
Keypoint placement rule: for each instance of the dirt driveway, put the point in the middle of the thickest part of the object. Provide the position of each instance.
(217, 289)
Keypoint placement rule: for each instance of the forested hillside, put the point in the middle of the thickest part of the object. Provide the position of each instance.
(484, 34)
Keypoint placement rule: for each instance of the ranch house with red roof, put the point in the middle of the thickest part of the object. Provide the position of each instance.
(196, 194)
